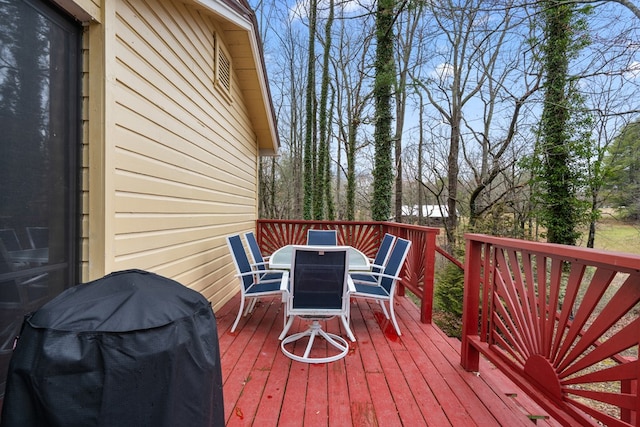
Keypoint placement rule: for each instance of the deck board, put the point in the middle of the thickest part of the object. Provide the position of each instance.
(385, 380)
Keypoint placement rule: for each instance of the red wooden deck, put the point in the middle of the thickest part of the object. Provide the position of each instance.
(385, 380)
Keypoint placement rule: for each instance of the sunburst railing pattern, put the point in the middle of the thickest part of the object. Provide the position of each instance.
(273, 234)
(418, 271)
(561, 321)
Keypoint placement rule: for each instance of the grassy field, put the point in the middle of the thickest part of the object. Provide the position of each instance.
(612, 235)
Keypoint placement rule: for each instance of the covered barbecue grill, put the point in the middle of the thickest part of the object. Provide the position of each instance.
(130, 349)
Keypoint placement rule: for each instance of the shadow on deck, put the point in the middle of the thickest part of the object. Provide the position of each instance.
(385, 380)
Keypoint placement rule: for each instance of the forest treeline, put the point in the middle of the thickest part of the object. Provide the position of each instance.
(520, 119)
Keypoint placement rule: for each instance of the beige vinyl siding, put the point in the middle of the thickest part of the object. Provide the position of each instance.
(184, 157)
(84, 206)
(90, 4)
(93, 159)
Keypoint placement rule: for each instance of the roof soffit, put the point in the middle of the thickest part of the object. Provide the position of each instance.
(242, 42)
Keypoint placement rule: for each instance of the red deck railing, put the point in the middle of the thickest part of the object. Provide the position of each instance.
(561, 321)
(418, 271)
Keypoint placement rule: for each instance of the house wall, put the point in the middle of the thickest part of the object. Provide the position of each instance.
(169, 163)
(83, 10)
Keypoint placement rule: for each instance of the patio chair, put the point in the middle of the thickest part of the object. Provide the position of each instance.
(377, 263)
(384, 289)
(10, 239)
(252, 284)
(318, 290)
(12, 309)
(18, 296)
(20, 285)
(322, 237)
(259, 263)
(38, 237)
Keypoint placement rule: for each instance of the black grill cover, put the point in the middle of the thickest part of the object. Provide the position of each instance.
(130, 349)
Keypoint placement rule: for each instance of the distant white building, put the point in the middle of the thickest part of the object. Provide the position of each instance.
(428, 211)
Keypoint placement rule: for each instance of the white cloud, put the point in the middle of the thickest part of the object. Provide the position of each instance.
(633, 72)
(442, 71)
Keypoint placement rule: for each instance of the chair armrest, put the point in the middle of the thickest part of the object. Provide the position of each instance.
(259, 263)
(284, 283)
(34, 280)
(374, 274)
(259, 272)
(351, 287)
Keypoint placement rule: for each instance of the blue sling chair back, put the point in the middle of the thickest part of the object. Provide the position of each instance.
(322, 237)
(378, 263)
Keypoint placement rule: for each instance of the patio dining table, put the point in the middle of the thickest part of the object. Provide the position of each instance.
(281, 259)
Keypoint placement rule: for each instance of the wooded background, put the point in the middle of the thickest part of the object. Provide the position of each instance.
(520, 118)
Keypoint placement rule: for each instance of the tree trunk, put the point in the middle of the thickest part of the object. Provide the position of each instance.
(384, 82)
(309, 152)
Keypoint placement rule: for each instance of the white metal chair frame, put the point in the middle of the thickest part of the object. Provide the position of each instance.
(317, 313)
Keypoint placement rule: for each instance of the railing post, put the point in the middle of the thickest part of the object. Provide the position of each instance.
(259, 232)
(628, 387)
(426, 310)
(470, 356)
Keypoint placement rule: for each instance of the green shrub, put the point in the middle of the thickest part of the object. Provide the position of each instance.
(449, 290)
(448, 293)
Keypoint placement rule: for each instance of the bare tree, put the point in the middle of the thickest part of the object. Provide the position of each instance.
(286, 55)
(505, 118)
(471, 73)
(457, 76)
(351, 62)
(609, 76)
(409, 18)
